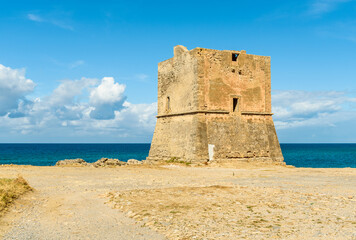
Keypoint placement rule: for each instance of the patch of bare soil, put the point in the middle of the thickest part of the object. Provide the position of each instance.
(250, 202)
(240, 212)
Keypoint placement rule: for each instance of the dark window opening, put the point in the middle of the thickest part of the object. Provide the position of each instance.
(235, 56)
(240, 72)
(235, 104)
(168, 104)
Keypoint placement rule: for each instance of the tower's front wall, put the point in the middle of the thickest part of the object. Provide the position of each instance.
(244, 130)
(251, 137)
(220, 79)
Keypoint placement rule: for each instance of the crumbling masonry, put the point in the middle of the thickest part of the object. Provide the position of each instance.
(214, 106)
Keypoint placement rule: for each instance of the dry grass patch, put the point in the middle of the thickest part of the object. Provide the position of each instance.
(11, 189)
(235, 212)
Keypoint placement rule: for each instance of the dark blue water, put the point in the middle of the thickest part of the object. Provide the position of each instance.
(320, 155)
(49, 154)
(299, 155)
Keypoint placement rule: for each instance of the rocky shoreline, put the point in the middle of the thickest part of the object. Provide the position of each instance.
(103, 162)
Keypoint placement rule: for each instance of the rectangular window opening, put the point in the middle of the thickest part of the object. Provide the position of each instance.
(234, 57)
(235, 104)
(168, 105)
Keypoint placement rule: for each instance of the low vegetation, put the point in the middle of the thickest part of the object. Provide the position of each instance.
(11, 189)
(176, 160)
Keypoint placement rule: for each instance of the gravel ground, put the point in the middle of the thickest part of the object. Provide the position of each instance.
(70, 206)
(233, 212)
(73, 203)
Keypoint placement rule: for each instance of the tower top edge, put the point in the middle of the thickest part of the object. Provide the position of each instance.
(180, 49)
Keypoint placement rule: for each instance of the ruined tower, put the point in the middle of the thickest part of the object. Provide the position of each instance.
(214, 106)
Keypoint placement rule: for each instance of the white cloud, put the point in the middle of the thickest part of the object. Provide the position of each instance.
(69, 90)
(107, 98)
(76, 64)
(108, 92)
(142, 77)
(34, 17)
(142, 114)
(301, 108)
(77, 110)
(61, 24)
(69, 65)
(319, 7)
(54, 21)
(14, 86)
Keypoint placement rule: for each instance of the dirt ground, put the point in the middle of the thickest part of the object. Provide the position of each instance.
(180, 202)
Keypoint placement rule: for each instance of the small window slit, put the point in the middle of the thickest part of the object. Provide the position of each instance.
(234, 57)
(235, 104)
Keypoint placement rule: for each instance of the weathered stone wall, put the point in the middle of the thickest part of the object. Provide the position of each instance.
(249, 132)
(177, 80)
(250, 137)
(199, 121)
(178, 138)
(220, 79)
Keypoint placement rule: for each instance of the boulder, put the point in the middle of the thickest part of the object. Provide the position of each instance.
(133, 162)
(147, 162)
(72, 162)
(108, 162)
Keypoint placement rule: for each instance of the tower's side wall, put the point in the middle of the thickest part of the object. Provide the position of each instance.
(177, 80)
(178, 134)
(176, 137)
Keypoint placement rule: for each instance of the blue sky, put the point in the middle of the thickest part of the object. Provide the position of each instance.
(86, 71)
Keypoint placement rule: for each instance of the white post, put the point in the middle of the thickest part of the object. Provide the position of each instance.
(211, 151)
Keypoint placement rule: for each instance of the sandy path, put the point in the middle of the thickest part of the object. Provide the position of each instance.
(71, 206)
(69, 203)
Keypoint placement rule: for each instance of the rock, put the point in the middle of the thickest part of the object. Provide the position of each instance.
(72, 162)
(133, 162)
(108, 162)
(147, 162)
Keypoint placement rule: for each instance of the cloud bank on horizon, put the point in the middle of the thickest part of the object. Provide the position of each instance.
(296, 109)
(314, 117)
(93, 110)
(77, 110)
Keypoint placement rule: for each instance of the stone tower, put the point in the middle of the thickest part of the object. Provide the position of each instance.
(214, 106)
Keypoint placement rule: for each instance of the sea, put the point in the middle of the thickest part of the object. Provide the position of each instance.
(299, 155)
